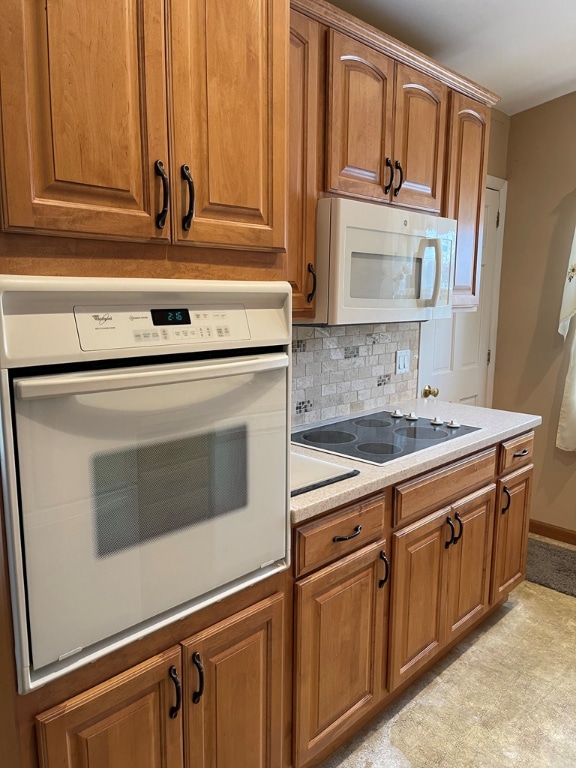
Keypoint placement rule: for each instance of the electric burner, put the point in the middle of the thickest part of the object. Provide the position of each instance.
(379, 437)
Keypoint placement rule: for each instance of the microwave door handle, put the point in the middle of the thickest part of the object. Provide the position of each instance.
(109, 381)
(436, 243)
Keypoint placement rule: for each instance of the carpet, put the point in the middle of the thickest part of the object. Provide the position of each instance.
(551, 566)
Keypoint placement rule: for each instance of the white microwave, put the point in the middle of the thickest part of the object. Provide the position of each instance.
(378, 264)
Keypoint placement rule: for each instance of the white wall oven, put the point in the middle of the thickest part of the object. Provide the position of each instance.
(145, 452)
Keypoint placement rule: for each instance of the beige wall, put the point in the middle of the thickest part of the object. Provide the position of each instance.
(532, 358)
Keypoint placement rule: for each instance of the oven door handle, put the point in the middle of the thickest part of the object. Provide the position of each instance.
(108, 381)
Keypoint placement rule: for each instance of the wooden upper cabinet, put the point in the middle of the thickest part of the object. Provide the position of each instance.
(92, 96)
(386, 130)
(130, 721)
(304, 159)
(83, 117)
(469, 136)
(419, 139)
(359, 118)
(228, 92)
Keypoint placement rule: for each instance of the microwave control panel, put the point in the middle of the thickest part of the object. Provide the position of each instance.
(106, 327)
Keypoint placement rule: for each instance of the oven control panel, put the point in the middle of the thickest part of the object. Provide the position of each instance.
(109, 327)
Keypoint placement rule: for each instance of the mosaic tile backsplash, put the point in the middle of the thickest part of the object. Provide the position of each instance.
(342, 370)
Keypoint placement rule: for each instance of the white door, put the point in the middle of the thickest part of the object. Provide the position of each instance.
(457, 354)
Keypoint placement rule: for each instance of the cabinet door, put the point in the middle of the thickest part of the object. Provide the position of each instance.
(130, 721)
(469, 560)
(228, 76)
(304, 158)
(419, 139)
(359, 120)
(233, 673)
(83, 117)
(418, 588)
(469, 134)
(511, 534)
(341, 632)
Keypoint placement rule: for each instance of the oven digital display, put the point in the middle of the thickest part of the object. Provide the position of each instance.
(170, 316)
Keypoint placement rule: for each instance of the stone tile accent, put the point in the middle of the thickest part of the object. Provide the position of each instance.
(342, 370)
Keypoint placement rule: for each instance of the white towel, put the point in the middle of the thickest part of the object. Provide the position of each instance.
(566, 435)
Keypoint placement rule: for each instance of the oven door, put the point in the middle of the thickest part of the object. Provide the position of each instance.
(143, 489)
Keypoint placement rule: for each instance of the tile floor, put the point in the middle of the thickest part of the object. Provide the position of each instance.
(505, 697)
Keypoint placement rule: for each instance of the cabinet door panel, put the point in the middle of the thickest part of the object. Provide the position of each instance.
(420, 138)
(359, 128)
(469, 561)
(511, 537)
(469, 135)
(228, 109)
(341, 621)
(123, 723)
(91, 81)
(418, 587)
(237, 721)
(304, 159)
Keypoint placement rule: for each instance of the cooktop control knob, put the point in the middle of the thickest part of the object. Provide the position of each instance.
(397, 414)
(453, 424)
(412, 416)
(436, 422)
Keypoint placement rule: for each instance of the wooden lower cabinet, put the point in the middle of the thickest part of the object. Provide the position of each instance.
(341, 615)
(214, 701)
(440, 580)
(233, 674)
(511, 534)
(130, 721)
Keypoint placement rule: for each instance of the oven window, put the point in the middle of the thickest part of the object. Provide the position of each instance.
(146, 491)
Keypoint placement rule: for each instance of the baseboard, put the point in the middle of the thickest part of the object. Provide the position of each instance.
(553, 532)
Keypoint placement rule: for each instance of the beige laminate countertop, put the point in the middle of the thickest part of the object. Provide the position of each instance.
(494, 426)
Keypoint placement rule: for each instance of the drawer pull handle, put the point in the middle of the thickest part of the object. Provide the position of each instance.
(460, 530)
(519, 454)
(312, 293)
(197, 661)
(176, 680)
(357, 532)
(187, 218)
(386, 570)
(452, 532)
(161, 217)
(388, 186)
(508, 500)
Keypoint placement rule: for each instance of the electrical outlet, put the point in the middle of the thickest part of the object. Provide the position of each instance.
(403, 361)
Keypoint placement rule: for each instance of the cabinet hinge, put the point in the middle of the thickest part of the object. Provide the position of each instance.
(497, 219)
(489, 357)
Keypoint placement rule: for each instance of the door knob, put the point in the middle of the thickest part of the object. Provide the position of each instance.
(428, 390)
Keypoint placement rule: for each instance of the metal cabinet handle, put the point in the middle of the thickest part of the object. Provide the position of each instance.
(399, 187)
(460, 530)
(386, 570)
(388, 186)
(312, 293)
(187, 218)
(160, 171)
(452, 532)
(508, 501)
(519, 454)
(176, 680)
(197, 661)
(357, 531)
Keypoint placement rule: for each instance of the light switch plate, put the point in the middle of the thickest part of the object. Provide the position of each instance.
(403, 361)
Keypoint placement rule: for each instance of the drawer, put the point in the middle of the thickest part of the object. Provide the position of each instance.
(427, 493)
(352, 527)
(516, 452)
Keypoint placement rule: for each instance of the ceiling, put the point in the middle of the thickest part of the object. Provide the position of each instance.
(523, 50)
